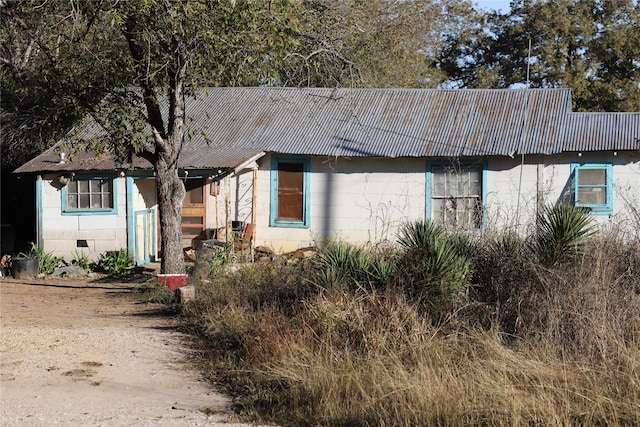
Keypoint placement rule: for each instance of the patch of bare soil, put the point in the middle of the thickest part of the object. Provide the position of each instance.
(84, 353)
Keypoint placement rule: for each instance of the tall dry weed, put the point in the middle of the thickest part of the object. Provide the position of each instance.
(298, 354)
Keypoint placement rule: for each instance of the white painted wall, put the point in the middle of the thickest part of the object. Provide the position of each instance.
(366, 200)
(626, 186)
(60, 233)
(358, 200)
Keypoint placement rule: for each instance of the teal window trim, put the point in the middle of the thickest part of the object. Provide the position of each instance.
(429, 183)
(82, 212)
(594, 208)
(273, 211)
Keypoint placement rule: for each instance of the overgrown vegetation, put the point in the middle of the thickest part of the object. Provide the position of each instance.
(451, 331)
(47, 261)
(112, 262)
(313, 343)
(82, 261)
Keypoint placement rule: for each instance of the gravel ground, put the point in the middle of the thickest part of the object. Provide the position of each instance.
(83, 353)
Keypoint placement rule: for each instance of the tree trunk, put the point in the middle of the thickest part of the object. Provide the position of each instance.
(171, 194)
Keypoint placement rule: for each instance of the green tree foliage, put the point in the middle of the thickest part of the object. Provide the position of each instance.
(591, 46)
(48, 74)
(121, 61)
(375, 43)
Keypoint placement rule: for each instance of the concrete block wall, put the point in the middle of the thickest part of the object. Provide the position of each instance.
(62, 233)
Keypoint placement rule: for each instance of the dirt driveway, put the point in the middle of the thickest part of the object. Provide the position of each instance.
(79, 353)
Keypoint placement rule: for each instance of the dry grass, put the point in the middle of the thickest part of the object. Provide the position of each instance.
(372, 358)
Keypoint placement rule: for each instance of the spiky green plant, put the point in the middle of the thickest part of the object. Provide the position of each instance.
(339, 264)
(435, 266)
(561, 231)
(47, 261)
(115, 261)
(419, 234)
(81, 260)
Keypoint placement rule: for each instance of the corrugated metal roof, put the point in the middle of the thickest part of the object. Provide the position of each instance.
(228, 125)
(601, 131)
(383, 122)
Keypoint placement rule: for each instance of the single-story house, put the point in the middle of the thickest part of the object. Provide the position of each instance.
(310, 165)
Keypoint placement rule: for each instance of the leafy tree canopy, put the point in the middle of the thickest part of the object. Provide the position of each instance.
(590, 46)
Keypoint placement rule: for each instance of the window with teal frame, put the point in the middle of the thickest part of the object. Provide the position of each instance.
(290, 188)
(593, 187)
(89, 196)
(456, 194)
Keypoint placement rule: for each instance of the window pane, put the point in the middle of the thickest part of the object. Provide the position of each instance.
(452, 184)
(592, 196)
(107, 201)
(592, 177)
(83, 201)
(72, 187)
(438, 182)
(72, 201)
(94, 184)
(83, 186)
(438, 210)
(195, 196)
(96, 201)
(290, 191)
(475, 182)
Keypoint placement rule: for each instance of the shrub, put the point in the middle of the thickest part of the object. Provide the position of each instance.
(504, 282)
(293, 353)
(47, 262)
(346, 265)
(561, 232)
(431, 269)
(82, 261)
(115, 261)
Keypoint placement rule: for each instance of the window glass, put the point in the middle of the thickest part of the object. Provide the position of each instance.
(456, 196)
(592, 177)
(593, 187)
(290, 191)
(89, 195)
(290, 188)
(592, 196)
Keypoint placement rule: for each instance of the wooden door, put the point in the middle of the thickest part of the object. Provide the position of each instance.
(193, 210)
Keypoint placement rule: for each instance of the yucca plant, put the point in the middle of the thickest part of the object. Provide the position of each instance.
(432, 269)
(420, 234)
(561, 231)
(342, 264)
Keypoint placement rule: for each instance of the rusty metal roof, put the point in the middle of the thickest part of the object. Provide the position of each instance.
(384, 122)
(229, 125)
(601, 131)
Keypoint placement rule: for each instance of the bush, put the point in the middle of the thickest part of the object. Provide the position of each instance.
(349, 266)
(82, 261)
(561, 345)
(505, 282)
(47, 262)
(561, 232)
(113, 262)
(434, 267)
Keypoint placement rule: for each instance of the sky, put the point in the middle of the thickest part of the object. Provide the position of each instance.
(502, 5)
